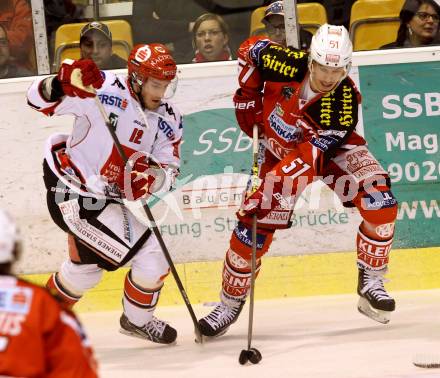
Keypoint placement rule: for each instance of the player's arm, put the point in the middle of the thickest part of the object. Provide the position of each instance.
(273, 61)
(262, 60)
(166, 149)
(248, 98)
(78, 79)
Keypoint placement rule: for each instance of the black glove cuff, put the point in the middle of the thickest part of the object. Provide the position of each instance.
(57, 91)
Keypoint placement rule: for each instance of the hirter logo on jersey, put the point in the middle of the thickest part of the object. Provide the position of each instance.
(112, 100)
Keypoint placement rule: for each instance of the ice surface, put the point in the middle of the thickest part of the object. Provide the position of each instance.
(307, 337)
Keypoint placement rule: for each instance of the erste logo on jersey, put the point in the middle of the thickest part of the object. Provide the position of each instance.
(166, 128)
(285, 131)
(112, 100)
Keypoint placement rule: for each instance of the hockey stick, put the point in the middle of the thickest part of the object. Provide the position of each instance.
(291, 23)
(252, 355)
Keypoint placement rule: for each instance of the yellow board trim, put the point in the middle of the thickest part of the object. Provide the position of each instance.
(287, 276)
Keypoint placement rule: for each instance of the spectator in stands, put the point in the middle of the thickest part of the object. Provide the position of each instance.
(419, 25)
(96, 43)
(7, 67)
(16, 18)
(171, 22)
(273, 20)
(57, 13)
(210, 39)
(167, 22)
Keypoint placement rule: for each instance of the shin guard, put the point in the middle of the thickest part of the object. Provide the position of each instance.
(55, 286)
(372, 254)
(139, 303)
(237, 277)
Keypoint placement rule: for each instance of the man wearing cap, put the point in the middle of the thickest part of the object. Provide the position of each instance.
(273, 20)
(8, 67)
(96, 43)
(38, 337)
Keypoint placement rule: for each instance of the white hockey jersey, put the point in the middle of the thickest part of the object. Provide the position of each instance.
(87, 160)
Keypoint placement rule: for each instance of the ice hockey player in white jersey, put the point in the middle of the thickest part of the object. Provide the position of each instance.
(86, 179)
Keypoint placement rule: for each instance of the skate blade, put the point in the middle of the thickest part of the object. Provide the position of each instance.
(380, 316)
(427, 360)
(132, 334)
(212, 338)
(139, 336)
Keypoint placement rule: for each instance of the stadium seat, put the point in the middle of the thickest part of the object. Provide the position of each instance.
(67, 40)
(374, 23)
(310, 15)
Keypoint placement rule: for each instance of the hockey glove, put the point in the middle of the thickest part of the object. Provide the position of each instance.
(147, 178)
(266, 198)
(80, 78)
(248, 110)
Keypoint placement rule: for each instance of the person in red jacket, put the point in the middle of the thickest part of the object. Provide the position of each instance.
(306, 108)
(38, 337)
(16, 17)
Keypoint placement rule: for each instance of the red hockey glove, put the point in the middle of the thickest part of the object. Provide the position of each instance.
(266, 198)
(80, 78)
(248, 110)
(147, 177)
(141, 180)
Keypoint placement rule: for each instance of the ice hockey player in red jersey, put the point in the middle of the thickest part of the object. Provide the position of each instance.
(86, 179)
(306, 107)
(38, 336)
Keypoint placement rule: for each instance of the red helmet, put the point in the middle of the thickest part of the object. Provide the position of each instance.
(153, 60)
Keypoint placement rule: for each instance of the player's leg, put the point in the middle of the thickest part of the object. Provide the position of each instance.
(378, 208)
(374, 241)
(73, 279)
(236, 273)
(236, 278)
(291, 175)
(142, 287)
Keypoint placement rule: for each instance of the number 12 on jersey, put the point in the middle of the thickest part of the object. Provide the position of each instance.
(136, 136)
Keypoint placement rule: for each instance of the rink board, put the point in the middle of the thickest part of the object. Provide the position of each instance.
(285, 276)
(215, 152)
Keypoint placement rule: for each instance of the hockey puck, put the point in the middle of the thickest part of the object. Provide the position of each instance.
(243, 357)
(252, 355)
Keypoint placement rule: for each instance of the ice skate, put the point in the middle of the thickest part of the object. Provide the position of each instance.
(155, 330)
(374, 301)
(218, 321)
